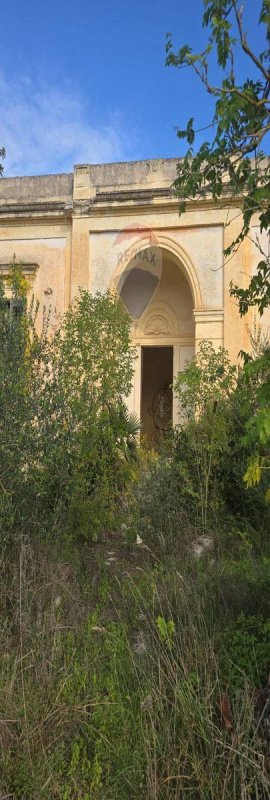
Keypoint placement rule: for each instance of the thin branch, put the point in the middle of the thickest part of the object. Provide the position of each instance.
(245, 45)
(235, 90)
(216, 90)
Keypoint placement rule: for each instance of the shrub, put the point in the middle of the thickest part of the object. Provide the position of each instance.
(203, 390)
(245, 646)
(246, 470)
(67, 441)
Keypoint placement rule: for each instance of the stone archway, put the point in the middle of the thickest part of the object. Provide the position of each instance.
(159, 296)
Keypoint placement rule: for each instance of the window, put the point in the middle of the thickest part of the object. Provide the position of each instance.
(14, 307)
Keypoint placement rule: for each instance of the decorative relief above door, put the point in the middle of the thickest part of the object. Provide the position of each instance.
(158, 320)
(157, 325)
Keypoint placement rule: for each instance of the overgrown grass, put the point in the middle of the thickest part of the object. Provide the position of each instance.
(114, 684)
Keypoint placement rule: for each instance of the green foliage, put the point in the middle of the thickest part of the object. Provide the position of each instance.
(206, 382)
(67, 443)
(15, 380)
(247, 404)
(101, 680)
(203, 390)
(165, 511)
(249, 443)
(116, 674)
(196, 483)
(76, 731)
(257, 429)
(245, 649)
(86, 713)
(234, 160)
(91, 351)
(234, 164)
(166, 631)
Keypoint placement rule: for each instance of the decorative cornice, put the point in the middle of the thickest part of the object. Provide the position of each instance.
(48, 210)
(203, 316)
(29, 269)
(131, 194)
(104, 203)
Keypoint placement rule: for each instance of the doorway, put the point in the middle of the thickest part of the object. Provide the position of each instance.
(156, 392)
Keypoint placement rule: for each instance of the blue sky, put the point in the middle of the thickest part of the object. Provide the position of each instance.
(84, 81)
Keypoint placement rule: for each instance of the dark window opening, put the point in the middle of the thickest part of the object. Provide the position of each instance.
(13, 307)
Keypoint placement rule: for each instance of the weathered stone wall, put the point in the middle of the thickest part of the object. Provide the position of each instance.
(33, 189)
(82, 228)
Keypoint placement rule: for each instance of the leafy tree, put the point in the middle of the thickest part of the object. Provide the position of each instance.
(15, 379)
(248, 453)
(233, 162)
(84, 429)
(203, 390)
(67, 443)
(257, 429)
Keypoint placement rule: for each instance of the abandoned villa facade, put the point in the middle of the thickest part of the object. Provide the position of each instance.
(117, 226)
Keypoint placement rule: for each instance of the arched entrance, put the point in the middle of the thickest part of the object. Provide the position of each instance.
(155, 289)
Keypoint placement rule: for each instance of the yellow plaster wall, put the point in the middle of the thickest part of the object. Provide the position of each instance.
(48, 247)
(70, 226)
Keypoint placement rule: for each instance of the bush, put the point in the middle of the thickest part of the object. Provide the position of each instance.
(67, 441)
(205, 468)
(245, 647)
(203, 389)
(249, 410)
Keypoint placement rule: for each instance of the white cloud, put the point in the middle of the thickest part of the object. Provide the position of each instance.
(47, 129)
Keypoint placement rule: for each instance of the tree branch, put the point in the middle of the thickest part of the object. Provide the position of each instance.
(245, 45)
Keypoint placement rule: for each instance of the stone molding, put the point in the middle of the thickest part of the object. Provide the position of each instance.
(29, 269)
(209, 315)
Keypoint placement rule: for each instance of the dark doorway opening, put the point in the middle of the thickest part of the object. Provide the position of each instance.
(156, 392)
